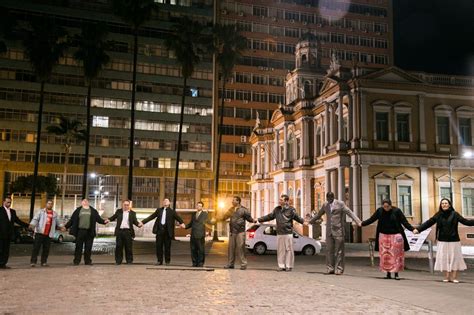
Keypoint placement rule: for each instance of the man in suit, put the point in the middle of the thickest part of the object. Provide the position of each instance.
(164, 230)
(336, 212)
(83, 225)
(198, 223)
(124, 233)
(7, 220)
(238, 214)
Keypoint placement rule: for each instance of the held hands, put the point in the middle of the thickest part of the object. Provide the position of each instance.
(182, 225)
(63, 229)
(140, 224)
(106, 221)
(415, 231)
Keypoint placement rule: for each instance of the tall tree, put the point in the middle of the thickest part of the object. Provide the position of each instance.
(44, 42)
(91, 52)
(135, 13)
(228, 46)
(72, 132)
(7, 26)
(188, 41)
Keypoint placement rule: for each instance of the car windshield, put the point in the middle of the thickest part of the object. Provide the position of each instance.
(253, 228)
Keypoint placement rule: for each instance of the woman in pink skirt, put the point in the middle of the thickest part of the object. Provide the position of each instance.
(390, 239)
(448, 255)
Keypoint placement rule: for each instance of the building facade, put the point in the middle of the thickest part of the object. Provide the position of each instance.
(356, 31)
(367, 135)
(158, 100)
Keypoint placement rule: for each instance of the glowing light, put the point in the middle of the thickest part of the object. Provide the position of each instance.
(468, 154)
(221, 204)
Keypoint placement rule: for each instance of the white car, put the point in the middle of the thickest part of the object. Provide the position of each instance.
(263, 237)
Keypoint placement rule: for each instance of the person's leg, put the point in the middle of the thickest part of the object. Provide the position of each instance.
(231, 250)
(281, 251)
(45, 253)
(290, 254)
(79, 246)
(202, 251)
(88, 242)
(159, 246)
(4, 252)
(36, 248)
(241, 250)
(454, 276)
(128, 243)
(118, 247)
(167, 241)
(339, 255)
(447, 276)
(330, 254)
(194, 256)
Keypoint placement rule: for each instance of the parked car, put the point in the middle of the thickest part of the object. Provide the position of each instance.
(60, 237)
(22, 235)
(263, 237)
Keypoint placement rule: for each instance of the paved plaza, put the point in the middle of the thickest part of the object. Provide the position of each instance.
(143, 288)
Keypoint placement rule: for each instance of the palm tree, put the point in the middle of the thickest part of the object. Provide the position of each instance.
(135, 13)
(91, 52)
(187, 41)
(71, 131)
(44, 43)
(228, 46)
(7, 25)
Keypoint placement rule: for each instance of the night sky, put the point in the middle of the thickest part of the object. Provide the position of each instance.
(434, 35)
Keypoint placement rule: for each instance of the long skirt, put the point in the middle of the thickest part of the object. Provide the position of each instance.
(391, 252)
(449, 257)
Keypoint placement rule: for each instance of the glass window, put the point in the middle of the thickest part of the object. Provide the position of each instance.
(381, 121)
(445, 192)
(443, 130)
(404, 199)
(468, 202)
(403, 127)
(465, 132)
(383, 192)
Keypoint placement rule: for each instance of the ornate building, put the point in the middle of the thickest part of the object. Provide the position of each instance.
(366, 135)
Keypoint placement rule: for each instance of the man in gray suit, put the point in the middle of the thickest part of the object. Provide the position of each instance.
(335, 211)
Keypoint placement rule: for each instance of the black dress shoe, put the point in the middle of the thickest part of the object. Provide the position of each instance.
(167, 263)
(243, 267)
(229, 267)
(200, 265)
(89, 264)
(159, 263)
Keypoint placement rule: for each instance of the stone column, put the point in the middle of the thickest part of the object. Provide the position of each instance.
(350, 119)
(341, 183)
(365, 200)
(363, 121)
(421, 126)
(340, 126)
(327, 124)
(258, 209)
(266, 202)
(305, 155)
(327, 183)
(425, 210)
(259, 159)
(266, 158)
(254, 160)
(277, 146)
(285, 144)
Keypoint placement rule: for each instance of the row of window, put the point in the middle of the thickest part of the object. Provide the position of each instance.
(253, 78)
(247, 113)
(262, 97)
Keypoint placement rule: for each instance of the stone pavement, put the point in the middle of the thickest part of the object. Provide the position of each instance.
(145, 289)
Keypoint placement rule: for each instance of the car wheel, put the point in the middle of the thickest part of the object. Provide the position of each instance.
(260, 248)
(60, 239)
(308, 250)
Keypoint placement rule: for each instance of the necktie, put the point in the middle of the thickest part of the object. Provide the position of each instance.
(163, 217)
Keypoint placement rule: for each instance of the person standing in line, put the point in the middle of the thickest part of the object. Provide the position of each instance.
(164, 230)
(238, 214)
(124, 232)
(284, 214)
(390, 238)
(8, 218)
(82, 226)
(44, 224)
(448, 254)
(198, 223)
(335, 211)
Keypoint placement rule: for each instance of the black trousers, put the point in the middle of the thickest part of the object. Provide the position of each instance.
(123, 240)
(4, 251)
(197, 251)
(163, 239)
(41, 241)
(83, 241)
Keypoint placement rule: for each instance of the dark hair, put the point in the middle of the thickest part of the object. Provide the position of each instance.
(238, 199)
(330, 194)
(126, 200)
(285, 197)
(201, 203)
(387, 201)
(7, 197)
(449, 201)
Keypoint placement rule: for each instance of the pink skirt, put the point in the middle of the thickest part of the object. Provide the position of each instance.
(391, 252)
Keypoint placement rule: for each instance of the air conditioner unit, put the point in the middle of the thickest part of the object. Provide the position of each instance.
(292, 21)
(241, 155)
(274, 18)
(224, 11)
(246, 101)
(364, 30)
(241, 13)
(265, 68)
(243, 139)
(272, 69)
(319, 25)
(227, 100)
(238, 173)
(305, 23)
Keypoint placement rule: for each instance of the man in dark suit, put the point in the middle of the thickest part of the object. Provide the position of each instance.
(164, 230)
(7, 220)
(83, 225)
(124, 233)
(198, 223)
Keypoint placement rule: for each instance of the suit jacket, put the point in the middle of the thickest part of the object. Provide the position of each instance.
(132, 220)
(335, 218)
(198, 225)
(73, 223)
(171, 217)
(7, 226)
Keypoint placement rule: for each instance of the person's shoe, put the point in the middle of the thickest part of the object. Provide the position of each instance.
(445, 280)
(338, 273)
(75, 263)
(330, 272)
(281, 269)
(129, 262)
(167, 263)
(194, 265)
(5, 267)
(159, 263)
(455, 281)
(388, 276)
(229, 267)
(89, 264)
(44, 265)
(243, 267)
(200, 265)
(396, 277)
(118, 263)
(288, 269)
(32, 265)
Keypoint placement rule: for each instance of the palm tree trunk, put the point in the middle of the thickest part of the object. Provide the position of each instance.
(37, 152)
(85, 176)
(178, 149)
(64, 181)
(132, 116)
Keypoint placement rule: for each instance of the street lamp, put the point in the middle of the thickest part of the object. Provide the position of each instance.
(466, 155)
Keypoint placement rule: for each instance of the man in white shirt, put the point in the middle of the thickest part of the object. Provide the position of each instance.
(124, 233)
(7, 220)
